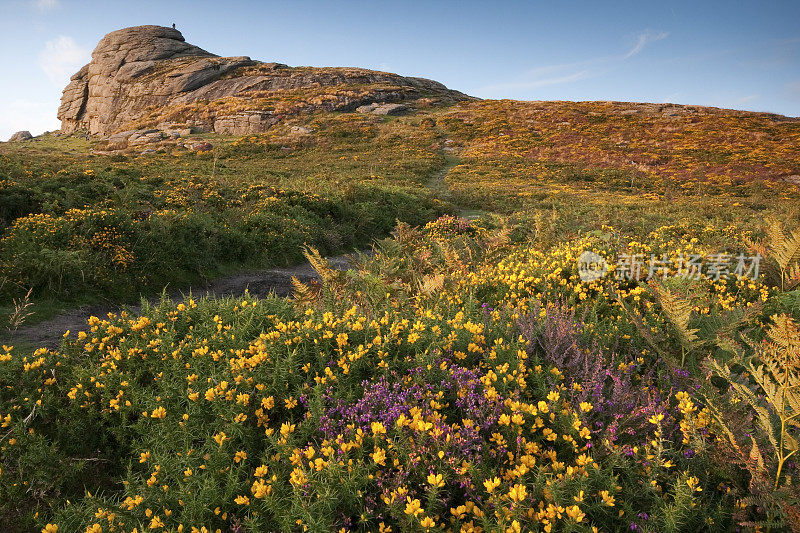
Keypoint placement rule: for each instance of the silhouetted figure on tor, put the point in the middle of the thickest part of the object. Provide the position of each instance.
(173, 25)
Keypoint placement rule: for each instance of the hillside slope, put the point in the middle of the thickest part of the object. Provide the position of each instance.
(207, 186)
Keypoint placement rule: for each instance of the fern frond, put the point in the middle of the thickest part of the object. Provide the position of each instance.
(755, 454)
(793, 276)
(757, 247)
(720, 328)
(775, 237)
(782, 251)
(678, 311)
(771, 387)
(319, 264)
(784, 336)
(302, 293)
(719, 416)
(641, 327)
(764, 419)
(431, 284)
(788, 249)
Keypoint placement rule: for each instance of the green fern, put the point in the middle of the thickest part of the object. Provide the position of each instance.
(770, 508)
(678, 311)
(775, 400)
(781, 249)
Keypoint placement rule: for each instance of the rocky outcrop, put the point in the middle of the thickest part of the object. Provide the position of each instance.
(383, 109)
(143, 75)
(20, 136)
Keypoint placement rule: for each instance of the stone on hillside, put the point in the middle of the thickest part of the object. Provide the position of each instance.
(201, 146)
(146, 73)
(20, 136)
(119, 141)
(369, 108)
(174, 130)
(382, 109)
(301, 130)
(244, 123)
(145, 137)
(390, 109)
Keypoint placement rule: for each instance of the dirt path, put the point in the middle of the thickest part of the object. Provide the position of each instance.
(276, 281)
(436, 182)
(260, 283)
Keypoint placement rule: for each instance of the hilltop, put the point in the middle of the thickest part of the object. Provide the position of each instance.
(149, 76)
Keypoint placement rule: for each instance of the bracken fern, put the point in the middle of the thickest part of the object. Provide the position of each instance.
(781, 249)
(775, 400)
(678, 310)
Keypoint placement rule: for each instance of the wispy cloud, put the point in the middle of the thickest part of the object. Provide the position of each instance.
(576, 70)
(46, 5)
(61, 58)
(643, 39)
(745, 99)
(540, 82)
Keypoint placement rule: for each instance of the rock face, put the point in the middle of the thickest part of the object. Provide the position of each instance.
(20, 136)
(383, 109)
(144, 75)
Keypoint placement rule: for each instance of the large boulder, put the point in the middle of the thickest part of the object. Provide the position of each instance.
(20, 136)
(382, 109)
(132, 69)
(142, 76)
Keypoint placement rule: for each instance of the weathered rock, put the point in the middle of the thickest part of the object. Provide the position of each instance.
(145, 137)
(300, 130)
(244, 123)
(150, 72)
(201, 147)
(390, 109)
(119, 141)
(20, 136)
(382, 109)
(369, 108)
(175, 131)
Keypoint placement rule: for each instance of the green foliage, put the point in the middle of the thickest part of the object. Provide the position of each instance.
(263, 415)
(678, 311)
(769, 383)
(92, 251)
(246, 415)
(781, 250)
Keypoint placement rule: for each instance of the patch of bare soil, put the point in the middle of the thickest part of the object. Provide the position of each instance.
(277, 281)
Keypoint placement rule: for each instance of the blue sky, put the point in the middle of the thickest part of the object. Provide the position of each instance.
(742, 55)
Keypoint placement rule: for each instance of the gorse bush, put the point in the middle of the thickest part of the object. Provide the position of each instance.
(461, 377)
(117, 252)
(623, 397)
(434, 387)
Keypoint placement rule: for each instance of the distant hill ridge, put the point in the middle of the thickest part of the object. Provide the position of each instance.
(146, 76)
(146, 80)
